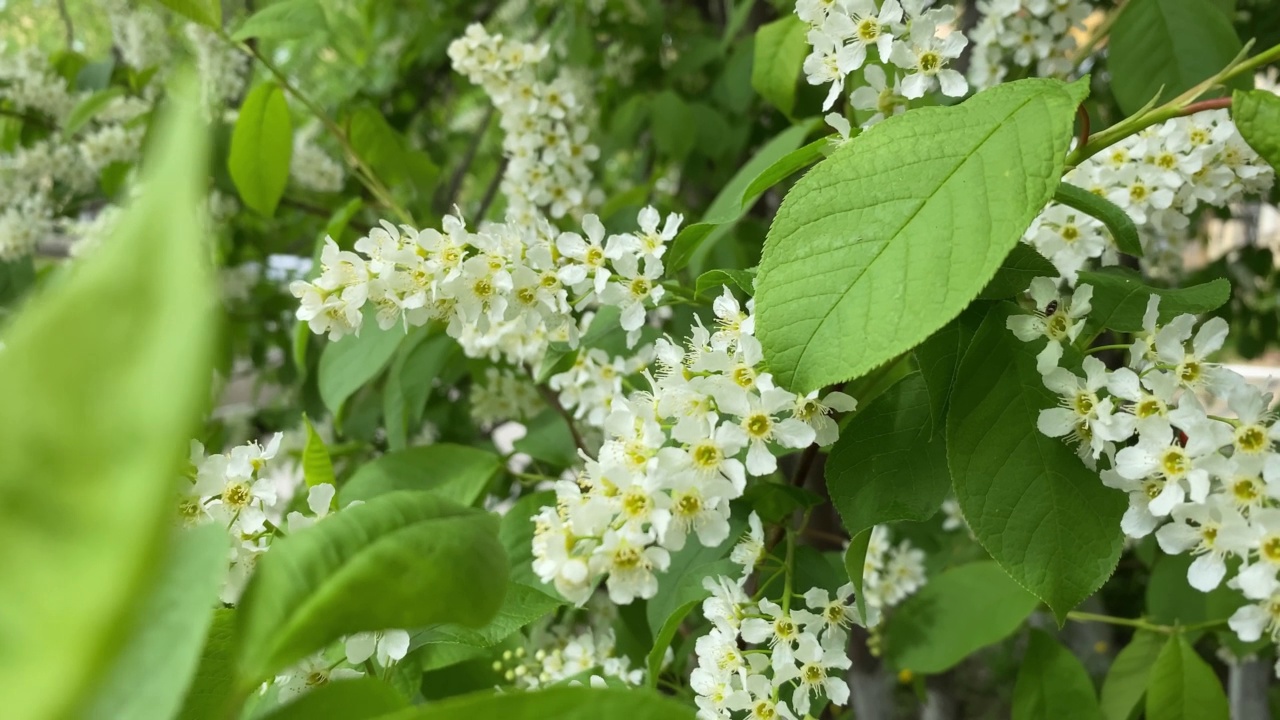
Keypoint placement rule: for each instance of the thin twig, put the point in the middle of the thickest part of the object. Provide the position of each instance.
(805, 465)
(491, 192)
(1214, 104)
(554, 402)
(460, 172)
(67, 27)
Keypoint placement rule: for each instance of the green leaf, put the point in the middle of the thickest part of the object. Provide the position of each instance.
(1117, 221)
(149, 677)
(662, 641)
(516, 534)
(317, 467)
(855, 563)
(561, 703)
(887, 464)
(209, 697)
(694, 242)
(1257, 117)
(1169, 44)
(712, 280)
(959, 611)
(939, 359)
(356, 699)
(261, 145)
(1030, 501)
(522, 605)
(673, 122)
(779, 53)
(86, 109)
(400, 560)
(454, 472)
(416, 366)
(285, 19)
(1172, 601)
(682, 582)
(1052, 684)
(1120, 299)
(548, 440)
(1126, 681)
(1182, 686)
(888, 239)
(204, 12)
(104, 375)
(1020, 267)
(785, 167)
(351, 362)
(389, 153)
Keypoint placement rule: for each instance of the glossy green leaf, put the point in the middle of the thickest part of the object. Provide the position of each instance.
(959, 611)
(104, 376)
(662, 641)
(1257, 117)
(1182, 686)
(204, 12)
(522, 605)
(1052, 684)
(317, 466)
(694, 242)
(785, 167)
(939, 359)
(356, 699)
(892, 236)
(710, 282)
(284, 19)
(682, 583)
(417, 365)
(351, 362)
(855, 561)
(453, 472)
(561, 703)
(888, 464)
(1126, 680)
(1120, 299)
(400, 560)
(150, 676)
(516, 534)
(261, 146)
(780, 50)
(1029, 499)
(1014, 276)
(1117, 220)
(1169, 44)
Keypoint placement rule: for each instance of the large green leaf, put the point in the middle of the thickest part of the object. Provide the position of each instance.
(1120, 299)
(209, 697)
(1045, 517)
(562, 703)
(957, 612)
(888, 463)
(205, 12)
(356, 699)
(939, 358)
(516, 533)
(410, 378)
(261, 145)
(780, 50)
(1020, 267)
(353, 361)
(104, 378)
(1183, 686)
(401, 560)
(454, 472)
(150, 676)
(1169, 44)
(888, 239)
(1126, 681)
(283, 20)
(1257, 117)
(1052, 684)
(522, 605)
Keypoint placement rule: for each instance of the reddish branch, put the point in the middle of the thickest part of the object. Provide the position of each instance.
(1214, 104)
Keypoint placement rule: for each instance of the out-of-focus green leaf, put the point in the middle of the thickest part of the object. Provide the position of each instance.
(780, 51)
(1257, 116)
(1182, 686)
(283, 20)
(561, 703)
(356, 699)
(204, 12)
(104, 377)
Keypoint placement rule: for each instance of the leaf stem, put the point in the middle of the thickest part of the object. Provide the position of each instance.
(1126, 622)
(1101, 348)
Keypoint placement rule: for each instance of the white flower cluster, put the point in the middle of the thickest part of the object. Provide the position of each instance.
(139, 34)
(907, 36)
(1159, 176)
(672, 459)
(505, 291)
(310, 167)
(223, 69)
(566, 650)
(801, 650)
(595, 381)
(504, 395)
(891, 573)
(239, 492)
(546, 140)
(1203, 483)
(32, 85)
(1036, 37)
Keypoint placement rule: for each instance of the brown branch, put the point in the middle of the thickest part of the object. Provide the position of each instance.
(1214, 104)
(460, 172)
(491, 192)
(554, 402)
(1083, 138)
